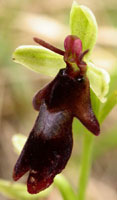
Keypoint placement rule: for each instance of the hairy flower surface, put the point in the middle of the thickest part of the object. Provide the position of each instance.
(49, 145)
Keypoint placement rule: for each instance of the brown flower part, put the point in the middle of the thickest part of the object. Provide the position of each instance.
(47, 149)
(49, 145)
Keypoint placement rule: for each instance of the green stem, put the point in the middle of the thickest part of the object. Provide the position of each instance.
(65, 188)
(85, 165)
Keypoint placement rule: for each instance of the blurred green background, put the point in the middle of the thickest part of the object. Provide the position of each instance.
(20, 21)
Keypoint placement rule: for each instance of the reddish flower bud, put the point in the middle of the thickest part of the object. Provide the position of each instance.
(73, 53)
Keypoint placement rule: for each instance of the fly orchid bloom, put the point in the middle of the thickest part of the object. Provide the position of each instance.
(50, 142)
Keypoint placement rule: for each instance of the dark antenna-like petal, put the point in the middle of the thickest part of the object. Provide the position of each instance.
(48, 46)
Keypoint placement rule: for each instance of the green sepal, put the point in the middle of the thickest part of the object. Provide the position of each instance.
(39, 59)
(46, 62)
(99, 81)
(83, 24)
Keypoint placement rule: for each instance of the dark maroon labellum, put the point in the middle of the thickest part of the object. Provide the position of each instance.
(49, 145)
(47, 149)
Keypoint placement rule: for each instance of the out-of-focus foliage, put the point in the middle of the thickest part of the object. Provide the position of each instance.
(18, 191)
(19, 22)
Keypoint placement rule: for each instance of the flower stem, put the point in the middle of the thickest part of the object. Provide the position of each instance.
(85, 165)
(65, 188)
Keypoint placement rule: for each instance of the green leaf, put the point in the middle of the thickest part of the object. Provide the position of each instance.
(39, 59)
(83, 24)
(18, 142)
(108, 106)
(99, 81)
(18, 191)
(64, 187)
